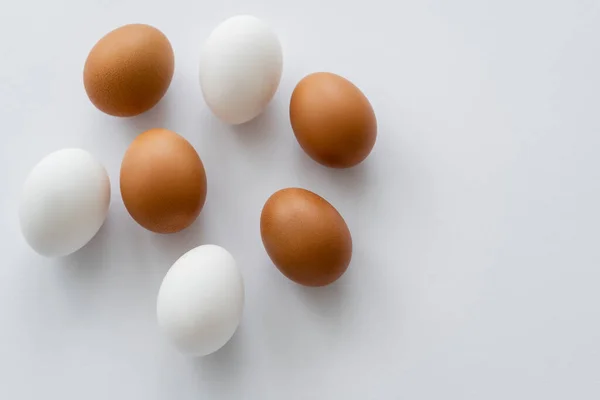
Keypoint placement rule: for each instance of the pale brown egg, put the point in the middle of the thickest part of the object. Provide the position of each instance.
(305, 237)
(129, 70)
(333, 120)
(163, 182)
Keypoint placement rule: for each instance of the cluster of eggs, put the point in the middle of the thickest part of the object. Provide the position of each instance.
(163, 183)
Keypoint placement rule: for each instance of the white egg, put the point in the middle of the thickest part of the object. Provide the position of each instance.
(200, 301)
(240, 68)
(64, 202)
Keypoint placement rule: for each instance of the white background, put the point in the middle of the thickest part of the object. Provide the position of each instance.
(476, 219)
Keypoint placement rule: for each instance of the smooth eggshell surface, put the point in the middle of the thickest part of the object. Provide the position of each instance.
(163, 182)
(240, 68)
(129, 70)
(64, 202)
(332, 119)
(200, 301)
(305, 237)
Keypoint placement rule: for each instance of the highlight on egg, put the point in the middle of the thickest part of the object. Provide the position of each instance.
(64, 202)
(240, 68)
(306, 237)
(163, 181)
(129, 70)
(332, 120)
(201, 300)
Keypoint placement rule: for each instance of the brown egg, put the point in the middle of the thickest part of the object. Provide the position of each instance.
(129, 70)
(163, 183)
(305, 237)
(332, 119)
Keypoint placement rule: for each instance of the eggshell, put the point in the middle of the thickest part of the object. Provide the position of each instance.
(129, 70)
(200, 301)
(240, 68)
(332, 119)
(163, 182)
(305, 237)
(64, 202)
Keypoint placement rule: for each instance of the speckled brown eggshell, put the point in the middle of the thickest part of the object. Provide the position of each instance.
(129, 70)
(333, 120)
(163, 182)
(305, 237)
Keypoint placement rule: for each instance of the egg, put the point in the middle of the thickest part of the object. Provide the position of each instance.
(163, 182)
(240, 68)
(201, 300)
(332, 120)
(129, 70)
(64, 202)
(305, 237)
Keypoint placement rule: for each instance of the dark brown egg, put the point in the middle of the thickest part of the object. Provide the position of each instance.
(332, 119)
(305, 237)
(129, 70)
(163, 183)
